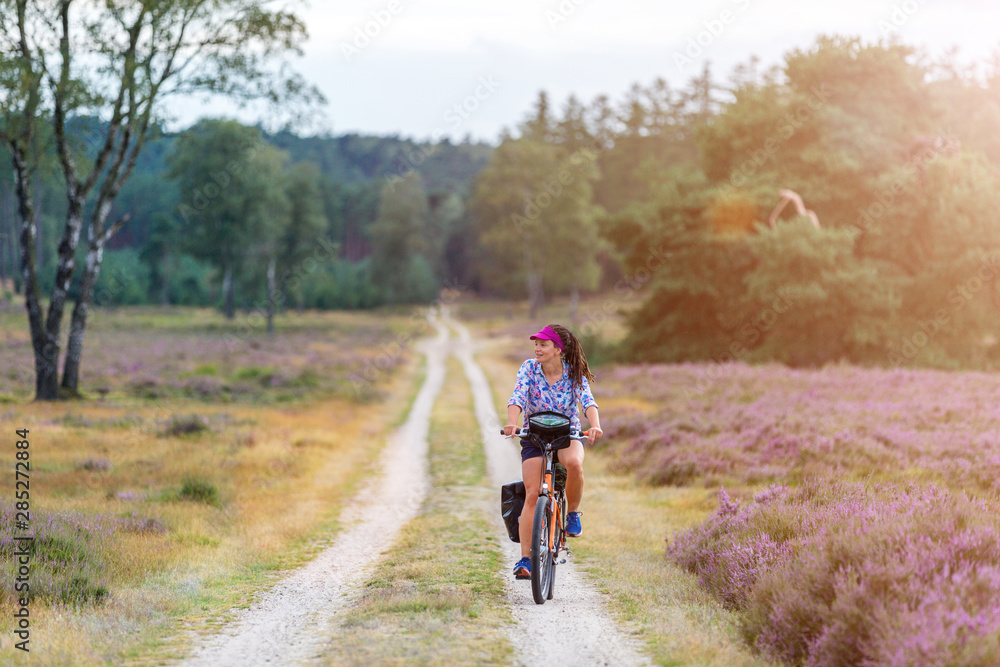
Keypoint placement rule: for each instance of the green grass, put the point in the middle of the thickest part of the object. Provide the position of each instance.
(438, 598)
(203, 369)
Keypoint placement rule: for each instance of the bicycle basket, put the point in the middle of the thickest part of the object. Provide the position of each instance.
(549, 425)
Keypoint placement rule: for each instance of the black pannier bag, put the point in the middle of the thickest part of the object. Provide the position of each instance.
(511, 504)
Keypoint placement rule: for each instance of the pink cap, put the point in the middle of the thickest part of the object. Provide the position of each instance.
(548, 333)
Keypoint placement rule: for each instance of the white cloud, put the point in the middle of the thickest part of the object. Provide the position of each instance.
(424, 57)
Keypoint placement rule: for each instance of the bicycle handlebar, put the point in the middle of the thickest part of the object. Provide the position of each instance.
(522, 432)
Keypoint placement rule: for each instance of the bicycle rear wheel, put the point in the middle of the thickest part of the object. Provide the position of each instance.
(541, 553)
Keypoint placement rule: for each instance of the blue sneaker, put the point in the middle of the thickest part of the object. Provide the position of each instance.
(523, 569)
(573, 526)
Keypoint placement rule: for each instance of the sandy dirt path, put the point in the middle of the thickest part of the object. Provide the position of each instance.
(574, 628)
(292, 622)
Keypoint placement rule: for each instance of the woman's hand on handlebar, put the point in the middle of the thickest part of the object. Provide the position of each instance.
(509, 430)
(593, 433)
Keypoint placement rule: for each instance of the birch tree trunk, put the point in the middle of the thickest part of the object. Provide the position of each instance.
(15, 249)
(6, 238)
(44, 365)
(99, 234)
(78, 324)
(47, 385)
(7, 214)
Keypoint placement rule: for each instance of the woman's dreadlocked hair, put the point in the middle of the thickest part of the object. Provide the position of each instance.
(574, 356)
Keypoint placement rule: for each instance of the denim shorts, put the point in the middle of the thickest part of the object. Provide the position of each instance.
(530, 450)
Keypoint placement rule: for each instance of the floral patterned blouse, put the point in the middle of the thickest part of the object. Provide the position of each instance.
(533, 393)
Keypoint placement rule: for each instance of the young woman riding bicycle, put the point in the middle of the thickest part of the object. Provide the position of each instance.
(556, 379)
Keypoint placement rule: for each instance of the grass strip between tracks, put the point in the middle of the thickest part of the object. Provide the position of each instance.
(438, 597)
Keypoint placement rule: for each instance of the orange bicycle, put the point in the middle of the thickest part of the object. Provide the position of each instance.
(551, 431)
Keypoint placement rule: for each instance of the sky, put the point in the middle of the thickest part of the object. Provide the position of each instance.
(426, 69)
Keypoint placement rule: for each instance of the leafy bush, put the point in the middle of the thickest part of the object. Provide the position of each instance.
(422, 285)
(190, 282)
(307, 379)
(794, 294)
(599, 352)
(134, 523)
(199, 490)
(123, 280)
(810, 300)
(185, 425)
(260, 374)
(95, 465)
(339, 284)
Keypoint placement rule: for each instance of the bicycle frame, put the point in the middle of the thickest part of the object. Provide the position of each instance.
(550, 518)
(557, 522)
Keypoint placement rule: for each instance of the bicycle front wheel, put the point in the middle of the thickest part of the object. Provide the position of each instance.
(541, 551)
(560, 532)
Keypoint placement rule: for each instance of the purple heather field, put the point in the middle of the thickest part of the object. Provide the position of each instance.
(159, 359)
(750, 425)
(857, 521)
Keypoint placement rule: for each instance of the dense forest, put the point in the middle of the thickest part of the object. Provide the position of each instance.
(159, 256)
(839, 206)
